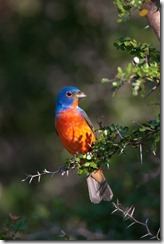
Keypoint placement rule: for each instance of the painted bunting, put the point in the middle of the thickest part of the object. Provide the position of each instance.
(76, 132)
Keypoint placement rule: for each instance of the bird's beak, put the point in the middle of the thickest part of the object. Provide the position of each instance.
(80, 95)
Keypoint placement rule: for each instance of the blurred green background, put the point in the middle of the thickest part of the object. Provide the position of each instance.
(44, 46)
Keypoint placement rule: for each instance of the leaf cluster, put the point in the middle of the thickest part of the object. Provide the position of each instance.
(144, 67)
(125, 7)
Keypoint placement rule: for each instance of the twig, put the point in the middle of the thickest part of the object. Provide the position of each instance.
(128, 214)
(118, 132)
(30, 177)
(152, 90)
(70, 164)
(141, 158)
(140, 125)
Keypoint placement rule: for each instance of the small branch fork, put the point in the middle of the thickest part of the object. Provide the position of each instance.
(128, 214)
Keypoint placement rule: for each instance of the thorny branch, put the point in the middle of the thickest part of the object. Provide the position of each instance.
(128, 214)
(30, 177)
(113, 140)
(64, 169)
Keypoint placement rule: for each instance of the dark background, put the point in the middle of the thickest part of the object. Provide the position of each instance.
(44, 46)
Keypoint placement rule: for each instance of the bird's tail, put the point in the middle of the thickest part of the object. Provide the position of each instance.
(98, 187)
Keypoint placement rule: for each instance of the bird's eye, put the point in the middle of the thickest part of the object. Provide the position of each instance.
(69, 94)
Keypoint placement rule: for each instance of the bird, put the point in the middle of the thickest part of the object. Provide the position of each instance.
(77, 135)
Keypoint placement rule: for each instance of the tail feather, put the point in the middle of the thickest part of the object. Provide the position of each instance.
(99, 190)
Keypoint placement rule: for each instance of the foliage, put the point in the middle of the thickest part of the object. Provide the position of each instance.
(114, 140)
(144, 69)
(13, 228)
(125, 8)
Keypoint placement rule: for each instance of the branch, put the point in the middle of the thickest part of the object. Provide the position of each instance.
(30, 177)
(128, 214)
(153, 15)
(113, 140)
(64, 169)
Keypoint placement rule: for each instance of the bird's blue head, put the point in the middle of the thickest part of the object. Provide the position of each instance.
(67, 96)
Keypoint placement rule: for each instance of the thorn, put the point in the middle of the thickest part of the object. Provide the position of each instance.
(132, 212)
(144, 235)
(114, 211)
(63, 232)
(118, 203)
(128, 210)
(108, 166)
(146, 221)
(126, 215)
(130, 224)
(152, 90)
(46, 171)
(30, 180)
(126, 218)
(122, 150)
(147, 26)
(114, 204)
(136, 123)
(118, 132)
(157, 235)
(141, 153)
(39, 176)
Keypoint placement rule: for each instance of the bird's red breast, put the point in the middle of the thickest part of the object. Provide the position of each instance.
(74, 131)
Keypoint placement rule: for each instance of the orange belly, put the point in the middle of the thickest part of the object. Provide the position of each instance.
(74, 132)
